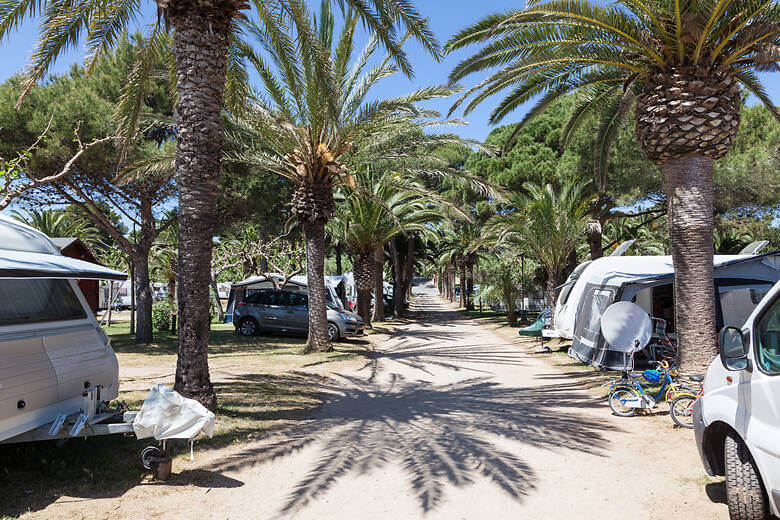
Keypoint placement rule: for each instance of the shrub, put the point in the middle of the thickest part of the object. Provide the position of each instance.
(161, 316)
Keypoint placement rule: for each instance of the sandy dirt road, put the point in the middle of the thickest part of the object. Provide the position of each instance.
(445, 420)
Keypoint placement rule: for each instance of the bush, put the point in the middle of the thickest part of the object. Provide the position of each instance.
(161, 316)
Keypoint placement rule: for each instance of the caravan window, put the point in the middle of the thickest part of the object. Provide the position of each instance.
(34, 301)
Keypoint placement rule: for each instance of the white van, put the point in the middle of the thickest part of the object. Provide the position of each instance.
(737, 420)
(53, 351)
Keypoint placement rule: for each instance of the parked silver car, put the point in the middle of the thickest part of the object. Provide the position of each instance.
(288, 311)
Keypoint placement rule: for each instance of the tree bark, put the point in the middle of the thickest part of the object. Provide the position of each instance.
(511, 315)
(339, 267)
(315, 273)
(453, 272)
(200, 45)
(379, 286)
(143, 299)
(363, 269)
(397, 279)
(594, 235)
(689, 194)
(462, 284)
(470, 286)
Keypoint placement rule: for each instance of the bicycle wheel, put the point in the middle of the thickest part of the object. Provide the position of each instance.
(679, 391)
(616, 401)
(681, 410)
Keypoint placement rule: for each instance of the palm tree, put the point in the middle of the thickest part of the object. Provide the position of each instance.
(59, 223)
(313, 119)
(378, 207)
(681, 64)
(549, 224)
(203, 32)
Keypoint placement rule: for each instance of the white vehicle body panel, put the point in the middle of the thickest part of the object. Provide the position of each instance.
(46, 365)
(750, 405)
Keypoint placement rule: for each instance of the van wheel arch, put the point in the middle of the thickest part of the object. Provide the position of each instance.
(714, 443)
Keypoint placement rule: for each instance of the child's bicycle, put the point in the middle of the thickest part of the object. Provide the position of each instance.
(681, 407)
(628, 395)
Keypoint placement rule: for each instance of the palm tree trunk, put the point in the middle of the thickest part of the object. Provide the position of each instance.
(554, 279)
(339, 268)
(511, 315)
(363, 268)
(463, 285)
(379, 286)
(453, 273)
(315, 274)
(201, 40)
(397, 279)
(594, 235)
(470, 286)
(143, 299)
(689, 196)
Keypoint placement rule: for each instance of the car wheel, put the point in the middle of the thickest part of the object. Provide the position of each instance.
(745, 493)
(247, 327)
(333, 332)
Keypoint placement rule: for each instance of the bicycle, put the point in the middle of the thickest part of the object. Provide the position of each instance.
(629, 395)
(681, 407)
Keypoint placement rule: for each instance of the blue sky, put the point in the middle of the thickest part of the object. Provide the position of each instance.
(446, 17)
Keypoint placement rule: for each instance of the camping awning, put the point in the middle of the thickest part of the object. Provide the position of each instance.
(22, 264)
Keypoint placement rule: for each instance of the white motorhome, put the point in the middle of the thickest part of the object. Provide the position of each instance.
(740, 280)
(737, 420)
(52, 348)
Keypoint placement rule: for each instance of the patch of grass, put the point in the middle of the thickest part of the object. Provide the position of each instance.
(261, 383)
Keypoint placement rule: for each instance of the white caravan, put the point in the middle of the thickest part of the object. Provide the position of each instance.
(740, 280)
(737, 420)
(54, 354)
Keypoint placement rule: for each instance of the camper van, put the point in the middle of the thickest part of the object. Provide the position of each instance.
(737, 420)
(740, 280)
(52, 347)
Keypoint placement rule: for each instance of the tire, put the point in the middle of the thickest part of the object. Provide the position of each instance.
(247, 327)
(681, 411)
(745, 493)
(333, 332)
(614, 401)
(681, 391)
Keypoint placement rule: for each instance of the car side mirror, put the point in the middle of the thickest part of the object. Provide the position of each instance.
(733, 351)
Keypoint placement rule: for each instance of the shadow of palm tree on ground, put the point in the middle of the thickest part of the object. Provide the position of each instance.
(439, 434)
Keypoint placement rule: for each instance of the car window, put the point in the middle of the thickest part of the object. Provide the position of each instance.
(768, 339)
(38, 300)
(299, 300)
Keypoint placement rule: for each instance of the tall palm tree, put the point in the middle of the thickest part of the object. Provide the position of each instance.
(379, 206)
(681, 64)
(313, 119)
(548, 225)
(202, 35)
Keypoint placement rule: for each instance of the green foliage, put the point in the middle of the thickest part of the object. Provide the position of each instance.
(161, 315)
(548, 224)
(747, 180)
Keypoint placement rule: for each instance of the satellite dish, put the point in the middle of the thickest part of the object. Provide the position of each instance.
(626, 327)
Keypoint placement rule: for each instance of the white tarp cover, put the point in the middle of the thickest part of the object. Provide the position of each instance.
(23, 264)
(166, 414)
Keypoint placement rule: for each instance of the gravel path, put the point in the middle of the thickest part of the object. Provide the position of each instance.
(445, 420)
